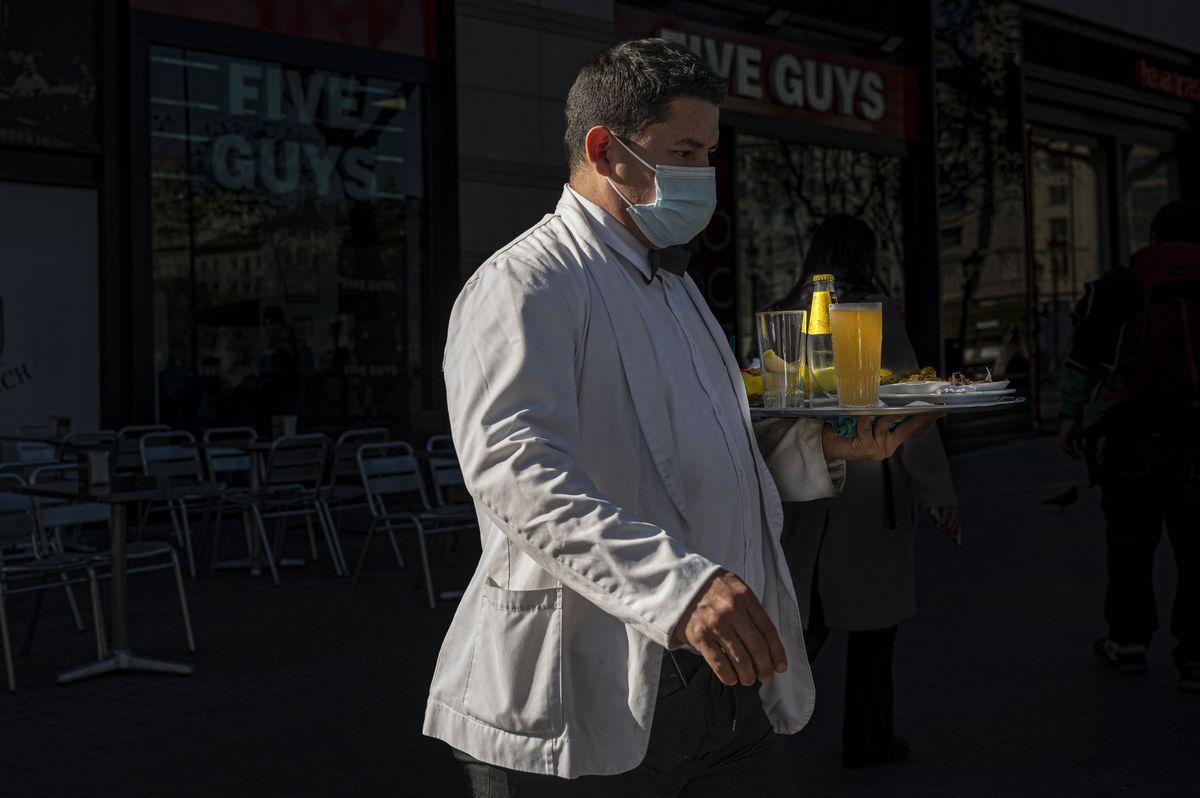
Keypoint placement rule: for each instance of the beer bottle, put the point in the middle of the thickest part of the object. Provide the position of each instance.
(822, 382)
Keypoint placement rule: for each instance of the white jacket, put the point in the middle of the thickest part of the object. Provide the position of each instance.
(551, 663)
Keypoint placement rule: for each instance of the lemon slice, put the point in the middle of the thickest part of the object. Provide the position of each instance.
(773, 362)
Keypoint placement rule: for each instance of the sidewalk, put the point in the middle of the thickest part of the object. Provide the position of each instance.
(305, 691)
(996, 689)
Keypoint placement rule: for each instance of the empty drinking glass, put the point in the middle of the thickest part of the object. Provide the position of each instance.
(781, 347)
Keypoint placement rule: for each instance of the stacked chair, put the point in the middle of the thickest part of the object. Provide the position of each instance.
(398, 501)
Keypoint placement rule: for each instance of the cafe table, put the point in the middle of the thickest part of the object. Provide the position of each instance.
(119, 495)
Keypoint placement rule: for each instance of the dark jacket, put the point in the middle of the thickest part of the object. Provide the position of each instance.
(1093, 389)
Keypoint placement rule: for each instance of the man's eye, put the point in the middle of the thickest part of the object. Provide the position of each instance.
(684, 153)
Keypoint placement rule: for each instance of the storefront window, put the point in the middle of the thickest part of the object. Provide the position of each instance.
(286, 208)
(48, 75)
(980, 140)
(1068, 244)
(1147, 188)
(784, 190)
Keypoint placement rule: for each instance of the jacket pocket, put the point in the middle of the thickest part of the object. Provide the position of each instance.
(515, 680)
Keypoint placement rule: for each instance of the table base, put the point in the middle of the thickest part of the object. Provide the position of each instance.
(124, 660)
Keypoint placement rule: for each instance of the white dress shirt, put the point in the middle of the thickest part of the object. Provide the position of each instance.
(704, 408)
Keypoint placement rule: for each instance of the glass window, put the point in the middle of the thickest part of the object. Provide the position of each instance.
(784, 191)
(1068, 251)
(981, 188)
(286, 208)
(48, 74)
(1148, 187)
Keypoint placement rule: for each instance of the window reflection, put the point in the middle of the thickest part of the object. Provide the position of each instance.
(784, 190)
(1068, 244)
(1147, 188)
(286, 208)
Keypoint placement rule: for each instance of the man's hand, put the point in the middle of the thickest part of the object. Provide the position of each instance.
(731, 630)
(874, 441)
(1068, 437)
(948, 521)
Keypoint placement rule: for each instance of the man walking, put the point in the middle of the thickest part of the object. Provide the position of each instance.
(631, 626)
(1132, 393)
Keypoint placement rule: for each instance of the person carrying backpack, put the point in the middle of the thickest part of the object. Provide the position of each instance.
(1131, 404)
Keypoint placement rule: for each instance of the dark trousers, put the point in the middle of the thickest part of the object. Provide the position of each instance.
(867, 725)
(1145, 483)
(706, 740)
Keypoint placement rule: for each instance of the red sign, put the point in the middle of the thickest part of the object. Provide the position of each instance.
(775, 78)
(396, 26)
(1167, 81)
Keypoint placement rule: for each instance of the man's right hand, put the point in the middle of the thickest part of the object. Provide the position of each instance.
(731, 630)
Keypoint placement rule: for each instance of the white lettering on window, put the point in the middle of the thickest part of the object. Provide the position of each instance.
(871, 106)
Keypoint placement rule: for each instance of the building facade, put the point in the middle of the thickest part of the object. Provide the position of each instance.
(219, 212)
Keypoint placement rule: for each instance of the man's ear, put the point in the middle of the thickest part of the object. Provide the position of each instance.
(595, 147)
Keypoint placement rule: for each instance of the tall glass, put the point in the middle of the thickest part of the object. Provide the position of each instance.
(781, 345)
(857, 340)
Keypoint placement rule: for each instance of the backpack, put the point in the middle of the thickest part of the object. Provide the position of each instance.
(1158, 355)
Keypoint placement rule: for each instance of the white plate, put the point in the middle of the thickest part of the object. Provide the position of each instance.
(913, 388)
(995, 386)
(967, 397)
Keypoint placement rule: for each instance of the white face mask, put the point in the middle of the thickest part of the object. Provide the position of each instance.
(684, 201)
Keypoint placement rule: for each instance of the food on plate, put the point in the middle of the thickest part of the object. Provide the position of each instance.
(959, 380)
(752, 379)
(927, 374)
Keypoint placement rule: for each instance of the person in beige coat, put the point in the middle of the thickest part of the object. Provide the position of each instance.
(851, 556)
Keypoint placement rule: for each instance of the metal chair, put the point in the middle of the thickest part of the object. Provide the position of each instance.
(228, 462)
(142, 556)
(343, 491)
(396, 494)
(29, 450)
(225, 459)
(173, 454)
(127, 457)
(292, 488)
(23, 468)
(75, 442)
(41, 563)
(446, 474)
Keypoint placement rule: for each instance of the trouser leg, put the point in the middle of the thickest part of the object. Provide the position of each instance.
(1182, 511)
(867, 726)
(817, 632)
(1134, 517)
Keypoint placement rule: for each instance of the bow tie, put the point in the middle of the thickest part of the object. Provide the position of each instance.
(671, 259)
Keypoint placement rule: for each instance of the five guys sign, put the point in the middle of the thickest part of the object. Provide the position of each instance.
(773, 78)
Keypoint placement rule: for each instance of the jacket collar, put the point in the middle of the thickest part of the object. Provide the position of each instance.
(613, 234)
(611, 278)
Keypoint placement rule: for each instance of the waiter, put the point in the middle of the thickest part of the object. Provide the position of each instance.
(631, 628)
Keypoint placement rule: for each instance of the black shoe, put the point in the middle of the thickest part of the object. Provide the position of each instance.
(895, 751)
(1189, 678)
(1129, 660)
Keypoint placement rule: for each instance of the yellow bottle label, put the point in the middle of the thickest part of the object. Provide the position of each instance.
(818, 314)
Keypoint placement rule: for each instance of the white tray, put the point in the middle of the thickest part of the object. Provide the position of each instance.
(926, 406)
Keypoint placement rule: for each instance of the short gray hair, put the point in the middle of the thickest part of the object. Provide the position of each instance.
(630, 86)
